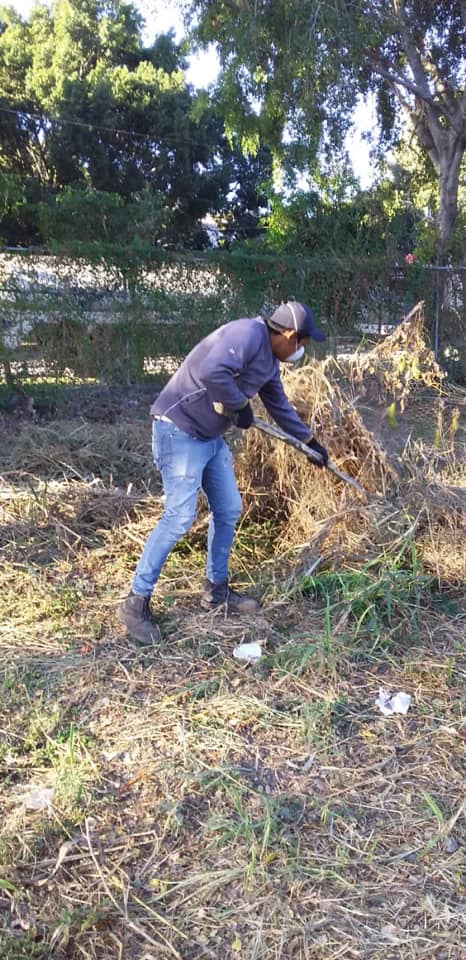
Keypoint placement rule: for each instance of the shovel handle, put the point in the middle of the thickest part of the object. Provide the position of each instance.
(311, 455)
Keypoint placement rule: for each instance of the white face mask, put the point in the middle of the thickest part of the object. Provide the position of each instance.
(296, 356)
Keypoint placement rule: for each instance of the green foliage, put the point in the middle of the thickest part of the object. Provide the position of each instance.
(103, 144)
(13, 948)
(87, 108)
(90, 215)
(413, 179)
(373, 223)
(384, 598)
(10, 192)
(294, 71)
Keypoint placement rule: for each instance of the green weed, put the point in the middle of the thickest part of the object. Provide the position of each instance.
(257, 823)
(65, 751)
(434, 808)
(204, 689)
(316, 719)
(71, 761)
(383, 598)
(24, 948)
(294, 659)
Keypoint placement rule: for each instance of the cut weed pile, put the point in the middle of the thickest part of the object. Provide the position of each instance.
(416, 501)
(176, 803)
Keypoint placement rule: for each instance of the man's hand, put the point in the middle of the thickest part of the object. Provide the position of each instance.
(244, 417)
(318, 448)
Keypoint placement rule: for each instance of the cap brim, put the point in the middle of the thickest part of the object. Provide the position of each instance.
(319, 335)
(310, 326)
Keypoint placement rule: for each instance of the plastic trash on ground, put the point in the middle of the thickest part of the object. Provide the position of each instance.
(250, 652)
(390, 703)
(38, 799)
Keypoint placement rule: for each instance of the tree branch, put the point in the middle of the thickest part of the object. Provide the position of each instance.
(432, 110)
(389, 73)
(422, 132)
(463, 11)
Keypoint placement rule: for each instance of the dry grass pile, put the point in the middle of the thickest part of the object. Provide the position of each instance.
(440, 526)
(398, 366)
(78, 450)
(423, 489)
(43, 521)
(307, 506)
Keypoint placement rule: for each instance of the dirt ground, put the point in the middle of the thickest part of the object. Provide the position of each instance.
(108, 403)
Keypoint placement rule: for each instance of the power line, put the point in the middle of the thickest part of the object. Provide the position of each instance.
(101, 126)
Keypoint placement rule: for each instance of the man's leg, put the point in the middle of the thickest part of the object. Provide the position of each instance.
(219, 486)
(181, 460)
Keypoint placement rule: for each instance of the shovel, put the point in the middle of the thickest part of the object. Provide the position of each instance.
(314, 457)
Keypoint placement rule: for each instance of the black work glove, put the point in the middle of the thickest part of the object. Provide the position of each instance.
(244, 417)
(318, 448)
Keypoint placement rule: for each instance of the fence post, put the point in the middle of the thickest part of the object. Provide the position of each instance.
(127, 371)
(437, 309)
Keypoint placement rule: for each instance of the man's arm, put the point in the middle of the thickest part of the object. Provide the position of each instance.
(223, 364)
(276, 402)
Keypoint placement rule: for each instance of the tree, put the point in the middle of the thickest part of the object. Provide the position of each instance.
(413, 179)
(86, 108)
(297, 67)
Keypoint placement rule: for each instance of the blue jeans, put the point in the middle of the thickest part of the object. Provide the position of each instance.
(187, 466)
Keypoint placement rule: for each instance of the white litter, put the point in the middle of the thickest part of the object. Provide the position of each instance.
(390, 703)
(38, 799)
(248, 651)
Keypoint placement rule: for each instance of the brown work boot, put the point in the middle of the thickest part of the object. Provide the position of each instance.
(135, 615)
(217, 594)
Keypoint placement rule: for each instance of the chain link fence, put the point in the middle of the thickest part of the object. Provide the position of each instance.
(74, 320)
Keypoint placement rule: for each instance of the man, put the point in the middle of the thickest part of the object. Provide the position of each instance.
(209, 392)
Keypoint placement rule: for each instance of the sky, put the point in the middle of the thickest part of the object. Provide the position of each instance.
(161, 16)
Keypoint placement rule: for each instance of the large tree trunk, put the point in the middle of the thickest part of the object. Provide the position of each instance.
(445, 146)
(437, 119)
(434, 108)
(449, 163)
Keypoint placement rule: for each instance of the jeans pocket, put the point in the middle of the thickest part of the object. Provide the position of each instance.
(161, 443)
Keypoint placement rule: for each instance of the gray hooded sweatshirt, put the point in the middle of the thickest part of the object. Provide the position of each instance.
(229, 366)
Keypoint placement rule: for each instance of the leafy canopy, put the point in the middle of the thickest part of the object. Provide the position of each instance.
(85, 107)
(293, 70)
